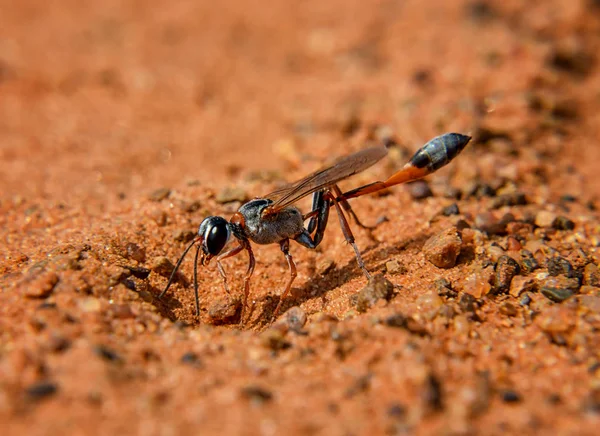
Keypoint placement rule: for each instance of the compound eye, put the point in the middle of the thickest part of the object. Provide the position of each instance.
(216, 239)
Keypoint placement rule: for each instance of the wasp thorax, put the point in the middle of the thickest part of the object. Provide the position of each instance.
(215, 233)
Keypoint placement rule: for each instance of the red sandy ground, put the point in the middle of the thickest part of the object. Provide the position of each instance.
(104, 103)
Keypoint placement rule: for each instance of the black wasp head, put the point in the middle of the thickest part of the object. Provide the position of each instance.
(215, 233)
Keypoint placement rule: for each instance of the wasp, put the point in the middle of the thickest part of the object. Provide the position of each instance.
(274, 218)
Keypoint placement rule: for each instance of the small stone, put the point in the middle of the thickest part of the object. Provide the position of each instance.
(107, 354)
(41, 390)
(510, 396)
(274, 337)
(495, 252)
(135, 252)
(419, 190)
(591, 275)
(520, 284)
(545, 218)
(162, 266)
(479, 190)
(191, 359)
(395, 267)
(37, 283)
(506, 269)
(139, 272)
(559, 265)
(378, 288)
(90, 305)
(444, 288)
(512, 199)
(558, 289)
(397, 320)
(159, 217)
(513, 244)
(159, 194)
(223, 311)
(295, 318)
(519, 228)
(451, 210)
(231, 194)
(488, 223)
(429, 304)
(563, 223)
(478, 283)
(443, 249)
(183, 235)
(528, 262)
(508, 309)
(257, 394)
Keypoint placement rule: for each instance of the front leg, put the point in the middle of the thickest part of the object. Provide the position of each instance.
(249, 272)
(285, 248)
(225, 255)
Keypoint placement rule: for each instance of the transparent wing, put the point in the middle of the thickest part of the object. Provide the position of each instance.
(341, 169)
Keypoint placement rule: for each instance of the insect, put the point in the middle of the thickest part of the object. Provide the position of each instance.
(274, 219)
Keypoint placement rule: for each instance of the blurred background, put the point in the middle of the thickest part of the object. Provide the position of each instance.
(101, 100)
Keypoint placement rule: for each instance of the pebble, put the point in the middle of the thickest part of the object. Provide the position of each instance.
(506, 269)
(559, 288)
(444, 288)
(191, 359)
(591, 275)
(451, 209)
(274, 337)
(107, 354)
(510, 396)
(162, 266)
(478, 284)
(295, 318)
(513, 244)
(488, 222)
(559, 265)
(41, 390)
(512, 199)
(135, 252)
(395, 267)
(419, 190)
(443, 249)
(231, 194)
(224, 310)
(519, 228)
(520, 284)
(378, 288)
(37, 283)
(508, 309)
(495, 252)
(159, 194)
(545, 218)
(429, 304)
(528, 262)
(89, 304)
(563, 223)
(257, 394)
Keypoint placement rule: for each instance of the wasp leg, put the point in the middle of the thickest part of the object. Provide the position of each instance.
(346, 205)
(285, 248)
(225, 255)
(196, 280)
(319, 218)
(317, 205)
(349, 236)
(249, 272)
